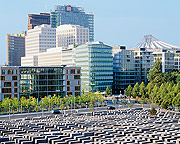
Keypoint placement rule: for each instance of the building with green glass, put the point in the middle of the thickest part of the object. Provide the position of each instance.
(96, 62)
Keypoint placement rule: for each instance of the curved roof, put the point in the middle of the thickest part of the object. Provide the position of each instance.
(151, 42)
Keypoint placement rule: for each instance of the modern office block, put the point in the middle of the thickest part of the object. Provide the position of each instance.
(38, 19)
(96, 62)
(73, 15)
(124, 70)
(15, 48)
(71, 35)
(39, 81)
(40, 39)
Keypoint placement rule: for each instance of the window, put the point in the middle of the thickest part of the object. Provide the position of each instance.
(77, 88)
(3, 78)
(76, 76)
(6, 90)
(68, 82)
(7, 84)
(7, 96)
(69, 93)
(78, 71)
(15, 90)
(15, 84)
(14, 77)
(68, 88)
(3, 71)
(10, 71)
(72, 71)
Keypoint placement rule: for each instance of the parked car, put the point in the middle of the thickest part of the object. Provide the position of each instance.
(56, 112)
(111, 108)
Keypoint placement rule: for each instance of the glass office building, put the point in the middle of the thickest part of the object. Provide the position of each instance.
(41, 81)
(96, 62)
(72, 15)
(124, 71)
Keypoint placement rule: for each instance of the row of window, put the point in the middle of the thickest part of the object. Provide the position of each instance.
(3, 78)
(77, 88)
(9, 71)
(9, 90)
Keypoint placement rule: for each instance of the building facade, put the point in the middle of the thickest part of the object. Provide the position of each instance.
(38, 19)
(96, 62)
(177, 60)
(71, 35)
(38, 40)
(39, 81)
(124, 71)
(167, 58)
(15, 49)
(72, 15)
(143, 63)
(9, 82)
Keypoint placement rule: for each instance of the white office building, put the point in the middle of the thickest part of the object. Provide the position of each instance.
(71, 35)
(40, 39)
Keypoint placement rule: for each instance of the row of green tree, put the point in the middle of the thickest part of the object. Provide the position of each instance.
(53, 101)
(163, 88)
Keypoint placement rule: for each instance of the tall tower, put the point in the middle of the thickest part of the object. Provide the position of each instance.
(73, 15)
(15, 48)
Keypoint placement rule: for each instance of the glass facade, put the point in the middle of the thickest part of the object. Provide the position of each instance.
(72, 15)
(41, 81)
(15, 49)
(124, 70)
(96, 62)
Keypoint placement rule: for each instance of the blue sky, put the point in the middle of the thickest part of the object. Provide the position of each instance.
(117, 22)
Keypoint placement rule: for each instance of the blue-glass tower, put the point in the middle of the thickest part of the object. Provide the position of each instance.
(72, 15)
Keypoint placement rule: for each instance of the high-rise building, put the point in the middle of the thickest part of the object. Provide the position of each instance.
(96, 62)
(38, 40)
(38, 19)
(15, 49)
(71, 35)
(17, 81)
(72, 15)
